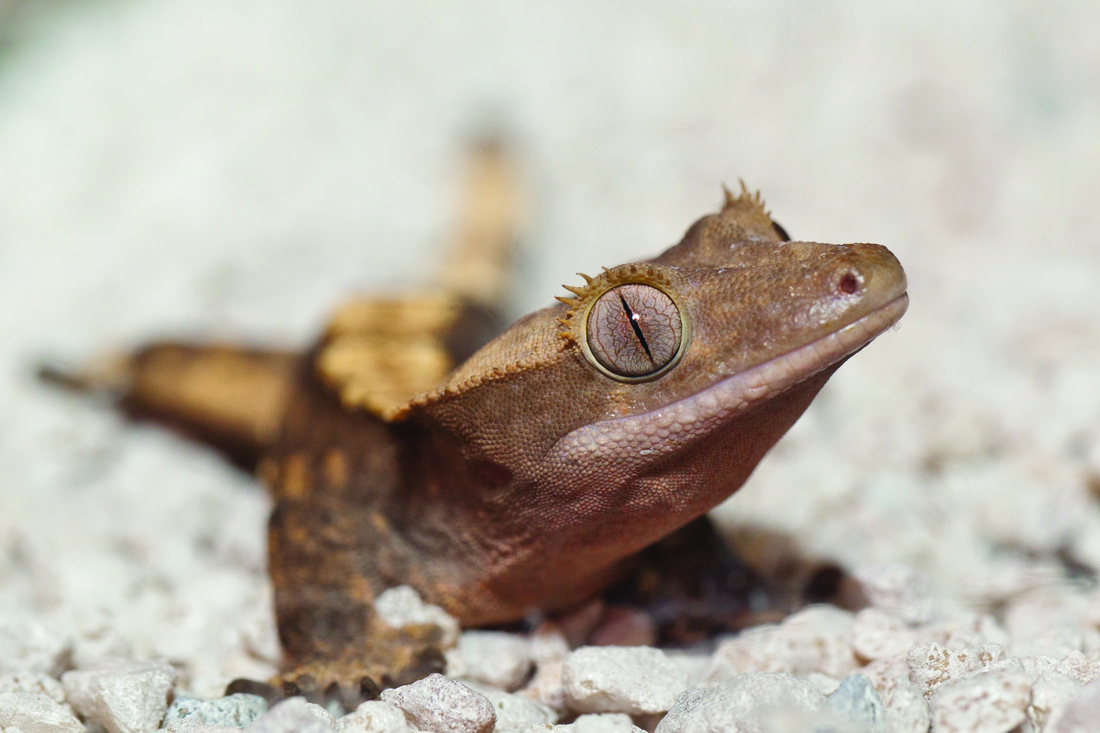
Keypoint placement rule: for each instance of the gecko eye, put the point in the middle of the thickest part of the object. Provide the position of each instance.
(634, 331)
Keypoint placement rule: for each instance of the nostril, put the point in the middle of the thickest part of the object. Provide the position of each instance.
(848, 284)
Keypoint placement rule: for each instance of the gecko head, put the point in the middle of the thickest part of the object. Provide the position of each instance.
(650, 395)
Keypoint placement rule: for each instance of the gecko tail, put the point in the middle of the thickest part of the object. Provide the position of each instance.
(230, 397)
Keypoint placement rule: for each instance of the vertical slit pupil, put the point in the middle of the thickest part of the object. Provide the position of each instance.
(637, 329)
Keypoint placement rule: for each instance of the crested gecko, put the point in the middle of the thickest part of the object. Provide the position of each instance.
(500, 476)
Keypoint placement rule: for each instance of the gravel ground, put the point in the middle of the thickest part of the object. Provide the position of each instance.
(235, 168)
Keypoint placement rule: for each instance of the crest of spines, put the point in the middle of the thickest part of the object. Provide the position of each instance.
(577, 303)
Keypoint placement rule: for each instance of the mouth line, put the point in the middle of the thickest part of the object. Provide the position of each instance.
(665, 430)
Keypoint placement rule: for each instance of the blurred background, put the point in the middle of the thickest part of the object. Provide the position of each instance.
(234, 169)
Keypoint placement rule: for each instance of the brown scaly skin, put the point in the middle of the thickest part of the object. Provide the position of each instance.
(529, 479)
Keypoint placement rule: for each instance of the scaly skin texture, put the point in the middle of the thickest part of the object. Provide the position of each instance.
(525, 479)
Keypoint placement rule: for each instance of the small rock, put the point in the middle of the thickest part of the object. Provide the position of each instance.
(402, 606)
(374, 716)
(1049, 696)
(885, 674)
(856, 700)
(931, 665)
(515, 712)
(128, 698)
(991, 702)
(293, 715)
(33, 713)
(877, 634)
(548, 643)
(601, 723)
(546, 686)
(36, 683)
(633, 680)
(1081, 713)
(234, 710)
(907, 710)
(898, 589)
(27, 645)
(1079, 667)
(194, 726)
(742, 705)
(494, 658)
(816, 639)
(440, 705)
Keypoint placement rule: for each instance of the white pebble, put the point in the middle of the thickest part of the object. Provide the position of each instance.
(824, 683)
(441, 705)
(1049, 696)
(128, 698)
(877, 634)
(992, 702)
(494, 658)
(857, 701)
(31, 713)
(194, 726)
(401, 606)
(816, 639)
(293, 715)
(27, 645)
(741, 705)
(931, 665)
(546, 688)
(601, 723)
(632, 680)
(35, 683)
(907, 711)
(374, 716)
(516, 712)
(235, 710)
(590, 723)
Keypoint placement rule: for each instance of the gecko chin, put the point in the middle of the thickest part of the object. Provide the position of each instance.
(640, 440)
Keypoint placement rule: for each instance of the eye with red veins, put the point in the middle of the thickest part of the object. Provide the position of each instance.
(634, 330)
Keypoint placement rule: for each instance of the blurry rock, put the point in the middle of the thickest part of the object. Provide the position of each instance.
(548, 643)
(816, 639)
(374, 716)
(127, 698)
(97, 640)
(494, 658)
(440, 705)
(402, 606)
(907, 711)
(546, 686)
(992, 702)
(824, 683)
(35, 683)
(27, 645)
(1049, 696)
(884, 674)
(31, 713)
(742, 705)
(236, 710)
(293, 715)
(931, 665)
(633, 680)
(898, 589)
(516, 712)
(856, 700)
(877, 634)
